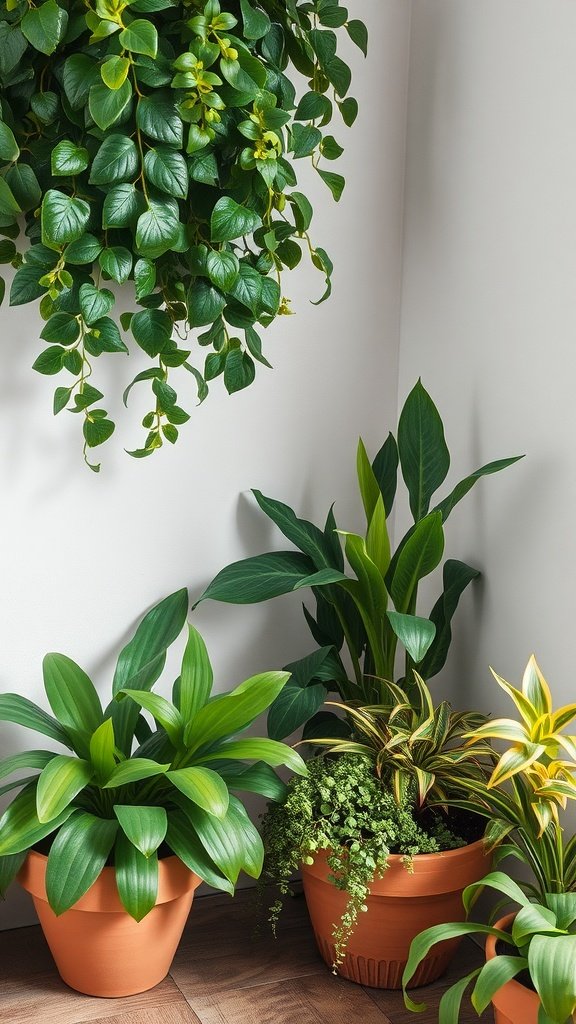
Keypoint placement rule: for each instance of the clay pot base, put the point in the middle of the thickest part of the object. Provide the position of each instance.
(400, 905)
(98, 948)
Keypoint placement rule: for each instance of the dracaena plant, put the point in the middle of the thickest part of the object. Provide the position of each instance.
(540, 945)
(532, 782)
(124, 793)
(153, 141)
(371, 608)
(530, 785)
(417, 748)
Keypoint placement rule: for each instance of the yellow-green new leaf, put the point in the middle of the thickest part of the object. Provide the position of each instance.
(60, 781)
(196, 677)
(536, 689)
(102, 747)
(515, 760)
(269, 751)
(203, 787)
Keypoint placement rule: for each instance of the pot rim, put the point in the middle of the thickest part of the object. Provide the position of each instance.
(174, 880)
(431, 874)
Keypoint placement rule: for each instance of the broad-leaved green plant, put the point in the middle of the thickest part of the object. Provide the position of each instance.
(370, 605)
(124, 793)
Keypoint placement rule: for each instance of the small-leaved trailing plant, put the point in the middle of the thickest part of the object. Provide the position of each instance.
(153, 141)
(531, 783)
(377, 794)
(364, 612)
(124, 794)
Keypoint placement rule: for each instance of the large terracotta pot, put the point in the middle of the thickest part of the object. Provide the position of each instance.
(98, 948)
(400, 905)
(513, 1003)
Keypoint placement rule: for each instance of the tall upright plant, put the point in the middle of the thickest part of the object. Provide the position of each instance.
(153, 141)
(371, 608)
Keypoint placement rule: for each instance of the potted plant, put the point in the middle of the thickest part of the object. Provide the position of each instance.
(367, 611)
(369, 829)
(113, 837)
(154, 141)
(530, 973)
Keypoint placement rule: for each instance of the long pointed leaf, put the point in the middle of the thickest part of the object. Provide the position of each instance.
(21, 711)
(60, 781)
(136, 878)
(256, 778)
(260, 578)
(304, 535)
(269, 751)
(462, 488)
(196, 676)
(449, 1006)
(424, 456)
(142, 659)
(203, 787)
(493, 976)
(134, 770)
(232, 712)
(184, 842)
(551, 962)
(28, 759)
(367, 482)
(20, 828)
(418, 557)
(71, 694)
(456, 577)
(385, 468)
(162, 710)
(77, 857)
(293, 706)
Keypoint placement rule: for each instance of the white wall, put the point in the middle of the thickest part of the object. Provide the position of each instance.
(83, 556)
(489, 313)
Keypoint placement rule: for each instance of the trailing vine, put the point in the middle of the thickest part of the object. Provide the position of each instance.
(343, 807)
(153, 141)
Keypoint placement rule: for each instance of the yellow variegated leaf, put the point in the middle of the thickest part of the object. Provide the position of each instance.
(527, 711)
(515, 760)
(501, 729)
(536, 689)
(563, 717)
(569, 744)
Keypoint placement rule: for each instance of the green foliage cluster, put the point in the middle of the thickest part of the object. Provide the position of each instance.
(128, 793)
(153, 141)
(531, 783)
(418, 748)
(366, 608)
(343, 807)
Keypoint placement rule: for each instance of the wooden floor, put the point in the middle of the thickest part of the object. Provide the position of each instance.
(223, 973)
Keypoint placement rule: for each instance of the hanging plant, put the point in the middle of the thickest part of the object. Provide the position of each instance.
(152, 141)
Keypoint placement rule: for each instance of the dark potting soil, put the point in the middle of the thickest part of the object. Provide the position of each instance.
(461, 823)
(506, 949)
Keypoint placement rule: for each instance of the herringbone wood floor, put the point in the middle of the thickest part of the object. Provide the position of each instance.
(224, 973)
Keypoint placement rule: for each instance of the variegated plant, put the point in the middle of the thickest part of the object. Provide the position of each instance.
(532, 781)
(416, 746)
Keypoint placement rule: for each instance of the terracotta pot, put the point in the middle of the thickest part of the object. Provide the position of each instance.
(400, 905)
(513, 1003)
(98, 948)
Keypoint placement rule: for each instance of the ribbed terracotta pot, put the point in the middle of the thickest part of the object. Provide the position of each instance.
(98, 948)
(513, 1003)
(400, 905)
